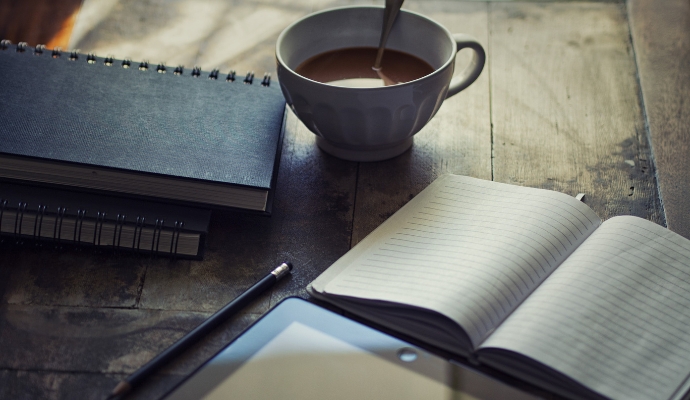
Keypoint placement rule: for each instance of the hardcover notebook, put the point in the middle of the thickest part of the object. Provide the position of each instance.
(530, 282)
(64, 217)
(176, 134)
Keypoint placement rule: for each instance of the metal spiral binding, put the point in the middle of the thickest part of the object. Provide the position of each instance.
(38, 51)
(213, 75)
(38, 223)
(231, 76)
(4, 44)
(126, 63)
(136, 241)
(120, 221)
(143, 66)
(179, 70)
(19, 220)
(156, 237)
(78, 224)
(267, 80)
(108, 61)
(57, 229)
(160, 68)
(98, 228)
(175, 237)
(16, 229)
(56, 52)
(249, 79)
(74, 55)
(21, 47)
(91, 58)
(3, 205)
(196, 72)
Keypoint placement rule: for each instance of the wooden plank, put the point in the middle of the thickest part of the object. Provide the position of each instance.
(237, 35)
(46, 276)
(316, 209)
(38, 21)
(30, 385)
(565, 106)
(661, 37)
(457, 140)
(105, 340)
(20, 385)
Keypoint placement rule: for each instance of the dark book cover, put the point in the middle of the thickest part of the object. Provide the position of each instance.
(150, 120)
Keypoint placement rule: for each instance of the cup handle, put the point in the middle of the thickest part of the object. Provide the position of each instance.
(471, 73)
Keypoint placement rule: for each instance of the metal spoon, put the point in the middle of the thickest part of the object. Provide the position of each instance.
(389, 16)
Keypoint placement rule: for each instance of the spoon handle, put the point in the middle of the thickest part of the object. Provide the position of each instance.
(389, 16)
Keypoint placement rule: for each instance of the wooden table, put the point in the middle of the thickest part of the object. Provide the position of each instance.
(573, 98)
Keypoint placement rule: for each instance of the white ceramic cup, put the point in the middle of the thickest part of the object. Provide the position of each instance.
(371, 124)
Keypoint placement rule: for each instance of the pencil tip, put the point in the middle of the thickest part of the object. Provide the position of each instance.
(121, 388)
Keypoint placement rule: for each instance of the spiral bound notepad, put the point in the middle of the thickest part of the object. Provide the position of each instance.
(172, 134)
(44, 216)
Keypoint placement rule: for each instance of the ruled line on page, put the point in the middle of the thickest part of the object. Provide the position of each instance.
(527, 213)
(614, 326)
(487, 222)
(554, 203)
(620, 304)
(557, 199)
(524, 237)
(499, 274)
(466, 259)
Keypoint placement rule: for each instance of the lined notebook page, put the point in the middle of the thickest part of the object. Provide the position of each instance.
(467, 248)
(615, 315)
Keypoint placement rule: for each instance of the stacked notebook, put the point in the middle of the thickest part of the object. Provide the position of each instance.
(130, 155)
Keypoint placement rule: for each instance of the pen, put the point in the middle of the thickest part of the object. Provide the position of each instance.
(204, 328)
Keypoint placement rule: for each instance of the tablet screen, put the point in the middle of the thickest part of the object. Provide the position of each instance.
(305, 363)
(304, 352)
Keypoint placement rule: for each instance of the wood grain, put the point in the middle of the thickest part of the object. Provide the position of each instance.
(109, 342)
(31, 385)
(237, 35)
(661, 36)
(565, 106)
(47, 276)
(457, 140)
(560, 89)
(38, 21)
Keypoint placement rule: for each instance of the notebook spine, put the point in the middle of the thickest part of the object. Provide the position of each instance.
(21, 223)
(109, 61)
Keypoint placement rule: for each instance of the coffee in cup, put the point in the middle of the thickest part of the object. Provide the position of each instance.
(352, 67)
(356, 121)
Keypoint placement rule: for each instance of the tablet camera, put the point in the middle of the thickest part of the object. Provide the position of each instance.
(407, 354)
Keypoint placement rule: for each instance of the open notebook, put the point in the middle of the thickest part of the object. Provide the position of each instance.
(531, 282)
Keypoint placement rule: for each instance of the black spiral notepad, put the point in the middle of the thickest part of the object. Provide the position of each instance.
(59, 218)
(172, 134)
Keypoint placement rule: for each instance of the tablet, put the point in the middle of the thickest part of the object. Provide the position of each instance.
(301, 351)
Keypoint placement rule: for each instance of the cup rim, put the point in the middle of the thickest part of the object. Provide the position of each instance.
(438, 70)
